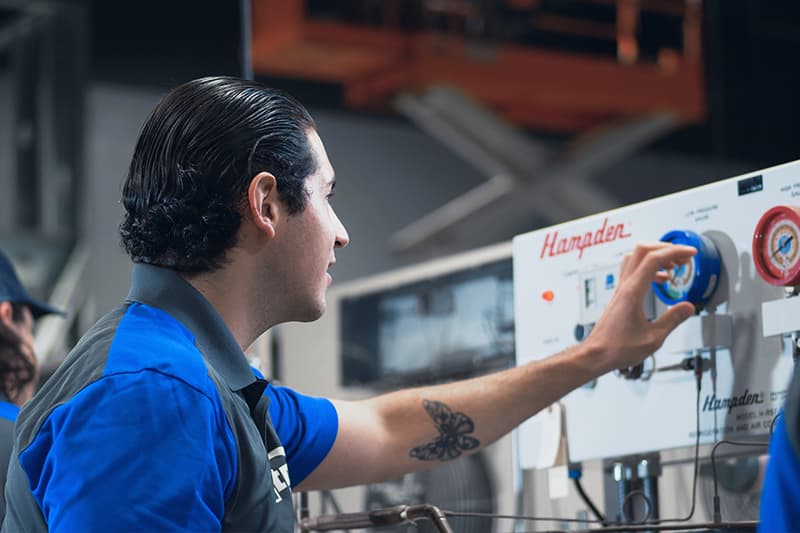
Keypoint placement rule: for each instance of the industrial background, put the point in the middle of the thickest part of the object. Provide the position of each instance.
(591, 104)
(452, 124)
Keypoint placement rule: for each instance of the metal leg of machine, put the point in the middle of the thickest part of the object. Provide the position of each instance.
(636, 480)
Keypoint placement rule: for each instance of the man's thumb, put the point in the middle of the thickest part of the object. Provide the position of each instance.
(674, 316)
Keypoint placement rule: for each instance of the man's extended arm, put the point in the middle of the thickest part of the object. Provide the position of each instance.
(412, 429)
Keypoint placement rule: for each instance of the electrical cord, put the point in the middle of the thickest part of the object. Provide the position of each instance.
(687, 363)
(589, 503)
(717, 514)
(613, 526)
(772, 425)
(600, 521)
(648, 505)
(698, 369)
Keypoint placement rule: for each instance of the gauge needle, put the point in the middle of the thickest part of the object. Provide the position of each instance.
(782, 245)
(677, 271)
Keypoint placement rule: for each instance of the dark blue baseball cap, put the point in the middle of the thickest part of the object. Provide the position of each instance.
(11, 290)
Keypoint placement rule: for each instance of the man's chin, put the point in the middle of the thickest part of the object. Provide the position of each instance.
(312, 314)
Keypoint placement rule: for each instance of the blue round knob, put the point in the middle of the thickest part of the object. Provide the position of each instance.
(696, 280)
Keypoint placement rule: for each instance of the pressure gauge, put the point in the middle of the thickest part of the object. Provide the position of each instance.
(776, 246)
(696, 280)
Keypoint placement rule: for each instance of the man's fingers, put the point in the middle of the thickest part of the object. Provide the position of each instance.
(625, 266)
(661, 276)
(632, 259)
(643, 248)
(659, 258)
(673, 317)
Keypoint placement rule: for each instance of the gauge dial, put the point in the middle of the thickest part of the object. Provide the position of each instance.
(680, 281)
(696, 280)
(776, 246)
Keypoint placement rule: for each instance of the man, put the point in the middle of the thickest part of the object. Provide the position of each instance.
(155, 421)
(19, 367)
(779, 509)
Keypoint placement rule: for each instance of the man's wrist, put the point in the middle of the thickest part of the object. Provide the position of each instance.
(592, 359)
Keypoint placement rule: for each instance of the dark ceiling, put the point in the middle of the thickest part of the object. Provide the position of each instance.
(751, 50)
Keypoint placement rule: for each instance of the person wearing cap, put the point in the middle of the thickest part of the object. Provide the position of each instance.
(19, 366)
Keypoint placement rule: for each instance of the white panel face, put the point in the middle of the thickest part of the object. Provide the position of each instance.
(561, 283)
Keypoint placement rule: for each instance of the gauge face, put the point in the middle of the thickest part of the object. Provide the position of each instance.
(681, 279)
(776, 246)
(696, 280)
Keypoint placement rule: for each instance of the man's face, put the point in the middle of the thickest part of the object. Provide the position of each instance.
(310, 239)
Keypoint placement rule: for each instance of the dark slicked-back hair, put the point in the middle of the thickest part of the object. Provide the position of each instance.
(194, 160)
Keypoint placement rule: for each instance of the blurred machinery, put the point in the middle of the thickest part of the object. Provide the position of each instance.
(44, 53)
(611, 76)
(543, 64)
(441, 320)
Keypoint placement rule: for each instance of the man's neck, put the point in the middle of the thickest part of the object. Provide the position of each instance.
(231, 296)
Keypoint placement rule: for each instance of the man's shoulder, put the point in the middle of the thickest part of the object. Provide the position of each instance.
(148, 338)
(132, 338)
(132, 344)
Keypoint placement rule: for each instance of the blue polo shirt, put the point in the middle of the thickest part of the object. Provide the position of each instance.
(156, 422)
(780, 493)
(8, 411)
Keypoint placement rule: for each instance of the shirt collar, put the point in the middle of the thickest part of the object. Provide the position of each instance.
(164, 289)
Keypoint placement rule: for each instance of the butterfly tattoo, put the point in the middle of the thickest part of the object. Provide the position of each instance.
(453, 438)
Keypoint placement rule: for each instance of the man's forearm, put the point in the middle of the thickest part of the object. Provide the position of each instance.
(412, 429)
(442, 422)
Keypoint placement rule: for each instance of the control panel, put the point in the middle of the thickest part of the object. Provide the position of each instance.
(742, 340)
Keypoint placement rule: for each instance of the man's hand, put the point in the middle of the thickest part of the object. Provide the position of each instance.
(623, 336)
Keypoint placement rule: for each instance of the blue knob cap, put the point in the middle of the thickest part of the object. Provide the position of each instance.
(696, 280)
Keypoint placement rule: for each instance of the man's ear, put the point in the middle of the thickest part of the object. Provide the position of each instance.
(263, 202)
(6, 312)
